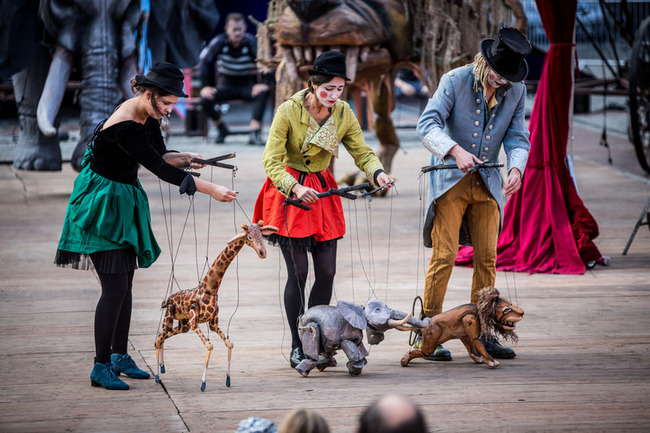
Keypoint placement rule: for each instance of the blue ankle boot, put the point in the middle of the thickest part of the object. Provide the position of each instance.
(104, 375)
(125, 364)
(439, 354)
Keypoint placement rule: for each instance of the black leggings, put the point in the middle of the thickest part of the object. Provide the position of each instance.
(294, 291)
(113, 315)
(227, 93)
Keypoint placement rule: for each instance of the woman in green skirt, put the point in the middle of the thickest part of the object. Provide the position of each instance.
(108, 225)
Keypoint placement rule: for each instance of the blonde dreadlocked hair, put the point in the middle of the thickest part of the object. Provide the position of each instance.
(481, 72)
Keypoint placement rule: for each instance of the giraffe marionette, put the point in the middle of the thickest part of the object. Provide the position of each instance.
(199, 305)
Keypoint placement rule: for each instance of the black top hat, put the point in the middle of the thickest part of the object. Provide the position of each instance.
(506, 55)
(330, 63)
(165, 76)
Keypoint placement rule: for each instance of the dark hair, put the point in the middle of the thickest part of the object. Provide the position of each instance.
(234, 16)
(372, 420)
(316, 80)
(156, 92)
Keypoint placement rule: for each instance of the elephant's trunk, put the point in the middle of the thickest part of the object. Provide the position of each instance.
(57, 78)
(393, 323)
(127, 71)
(410, 322)
(100, 91)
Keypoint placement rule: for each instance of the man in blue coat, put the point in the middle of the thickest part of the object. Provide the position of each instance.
(477, 109)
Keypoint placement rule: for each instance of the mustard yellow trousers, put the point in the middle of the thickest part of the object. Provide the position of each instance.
(469, 198)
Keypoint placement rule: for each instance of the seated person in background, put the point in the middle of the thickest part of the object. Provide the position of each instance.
(408, 85)
(234, 53)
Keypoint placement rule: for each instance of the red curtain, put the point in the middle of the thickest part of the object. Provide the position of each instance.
(546, 227)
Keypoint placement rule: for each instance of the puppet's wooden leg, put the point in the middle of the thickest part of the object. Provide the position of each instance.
(205, 369)
(473, 353)
(167, 328)
(167, 331)
(487, 359)
(356, 358)
(476, 351)
(160, 365)
(194, 325)
(411, 354)
(214, 325)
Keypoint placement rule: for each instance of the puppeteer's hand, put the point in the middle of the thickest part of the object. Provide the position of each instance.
(217, 192)
(384, 180)
(513, 183)
(464, 159)
(195, 165)
(223, 194)
(304, 193)
(183, 159)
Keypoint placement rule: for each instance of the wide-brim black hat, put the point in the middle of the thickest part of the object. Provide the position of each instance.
(506, 54)
(330, 63)
(166, 77)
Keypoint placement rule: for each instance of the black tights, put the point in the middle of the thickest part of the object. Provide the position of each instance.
(113, 315)
(294, 291)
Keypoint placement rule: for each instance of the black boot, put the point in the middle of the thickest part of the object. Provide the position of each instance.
(255, 138)
(496, 350)
(223, 131)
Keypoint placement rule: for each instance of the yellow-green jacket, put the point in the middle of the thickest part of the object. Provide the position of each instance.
(296, 140)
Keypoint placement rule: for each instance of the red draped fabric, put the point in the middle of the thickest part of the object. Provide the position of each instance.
(546, 227)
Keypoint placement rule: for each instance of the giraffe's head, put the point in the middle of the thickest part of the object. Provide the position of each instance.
(252, 236)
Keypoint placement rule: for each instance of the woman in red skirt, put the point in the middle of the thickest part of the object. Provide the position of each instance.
(305, 134)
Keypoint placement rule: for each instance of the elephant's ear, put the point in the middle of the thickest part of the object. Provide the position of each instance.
(353, 314)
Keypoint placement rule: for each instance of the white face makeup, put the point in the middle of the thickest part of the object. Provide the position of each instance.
(328, 93)
(495, 80)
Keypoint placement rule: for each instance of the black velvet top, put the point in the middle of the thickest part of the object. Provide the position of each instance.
(119, 150)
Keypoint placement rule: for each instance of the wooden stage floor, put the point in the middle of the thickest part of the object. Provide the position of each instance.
(583, 349)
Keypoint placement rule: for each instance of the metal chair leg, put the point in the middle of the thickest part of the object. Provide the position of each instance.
(639, 223)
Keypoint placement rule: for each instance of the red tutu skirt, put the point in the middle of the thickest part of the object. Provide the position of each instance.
(324, 222)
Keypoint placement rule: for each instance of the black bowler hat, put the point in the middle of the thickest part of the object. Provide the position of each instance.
(165, 76)
(506, 54)
(330, 63)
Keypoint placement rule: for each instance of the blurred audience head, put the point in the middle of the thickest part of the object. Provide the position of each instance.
(304, 421)
(392, 413)
(256, 425)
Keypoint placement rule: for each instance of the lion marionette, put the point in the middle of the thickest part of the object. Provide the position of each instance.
(490, 316)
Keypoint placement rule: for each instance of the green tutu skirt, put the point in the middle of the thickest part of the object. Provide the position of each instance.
(105, 215)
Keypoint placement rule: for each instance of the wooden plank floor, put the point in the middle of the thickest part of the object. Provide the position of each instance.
(583, 348)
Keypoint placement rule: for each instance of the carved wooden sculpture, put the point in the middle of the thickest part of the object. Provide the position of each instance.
(194, 306)
(492, 315)
(378, 37)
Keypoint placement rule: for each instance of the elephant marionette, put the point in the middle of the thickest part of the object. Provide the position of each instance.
(324, 329)
(98, 38)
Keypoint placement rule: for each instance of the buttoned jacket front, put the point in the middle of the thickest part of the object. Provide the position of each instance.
(287, 146)
(457, 115)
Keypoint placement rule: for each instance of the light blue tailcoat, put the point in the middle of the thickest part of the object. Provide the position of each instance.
(457, 114)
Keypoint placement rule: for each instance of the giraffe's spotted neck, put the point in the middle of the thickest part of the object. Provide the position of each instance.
(212, 280)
